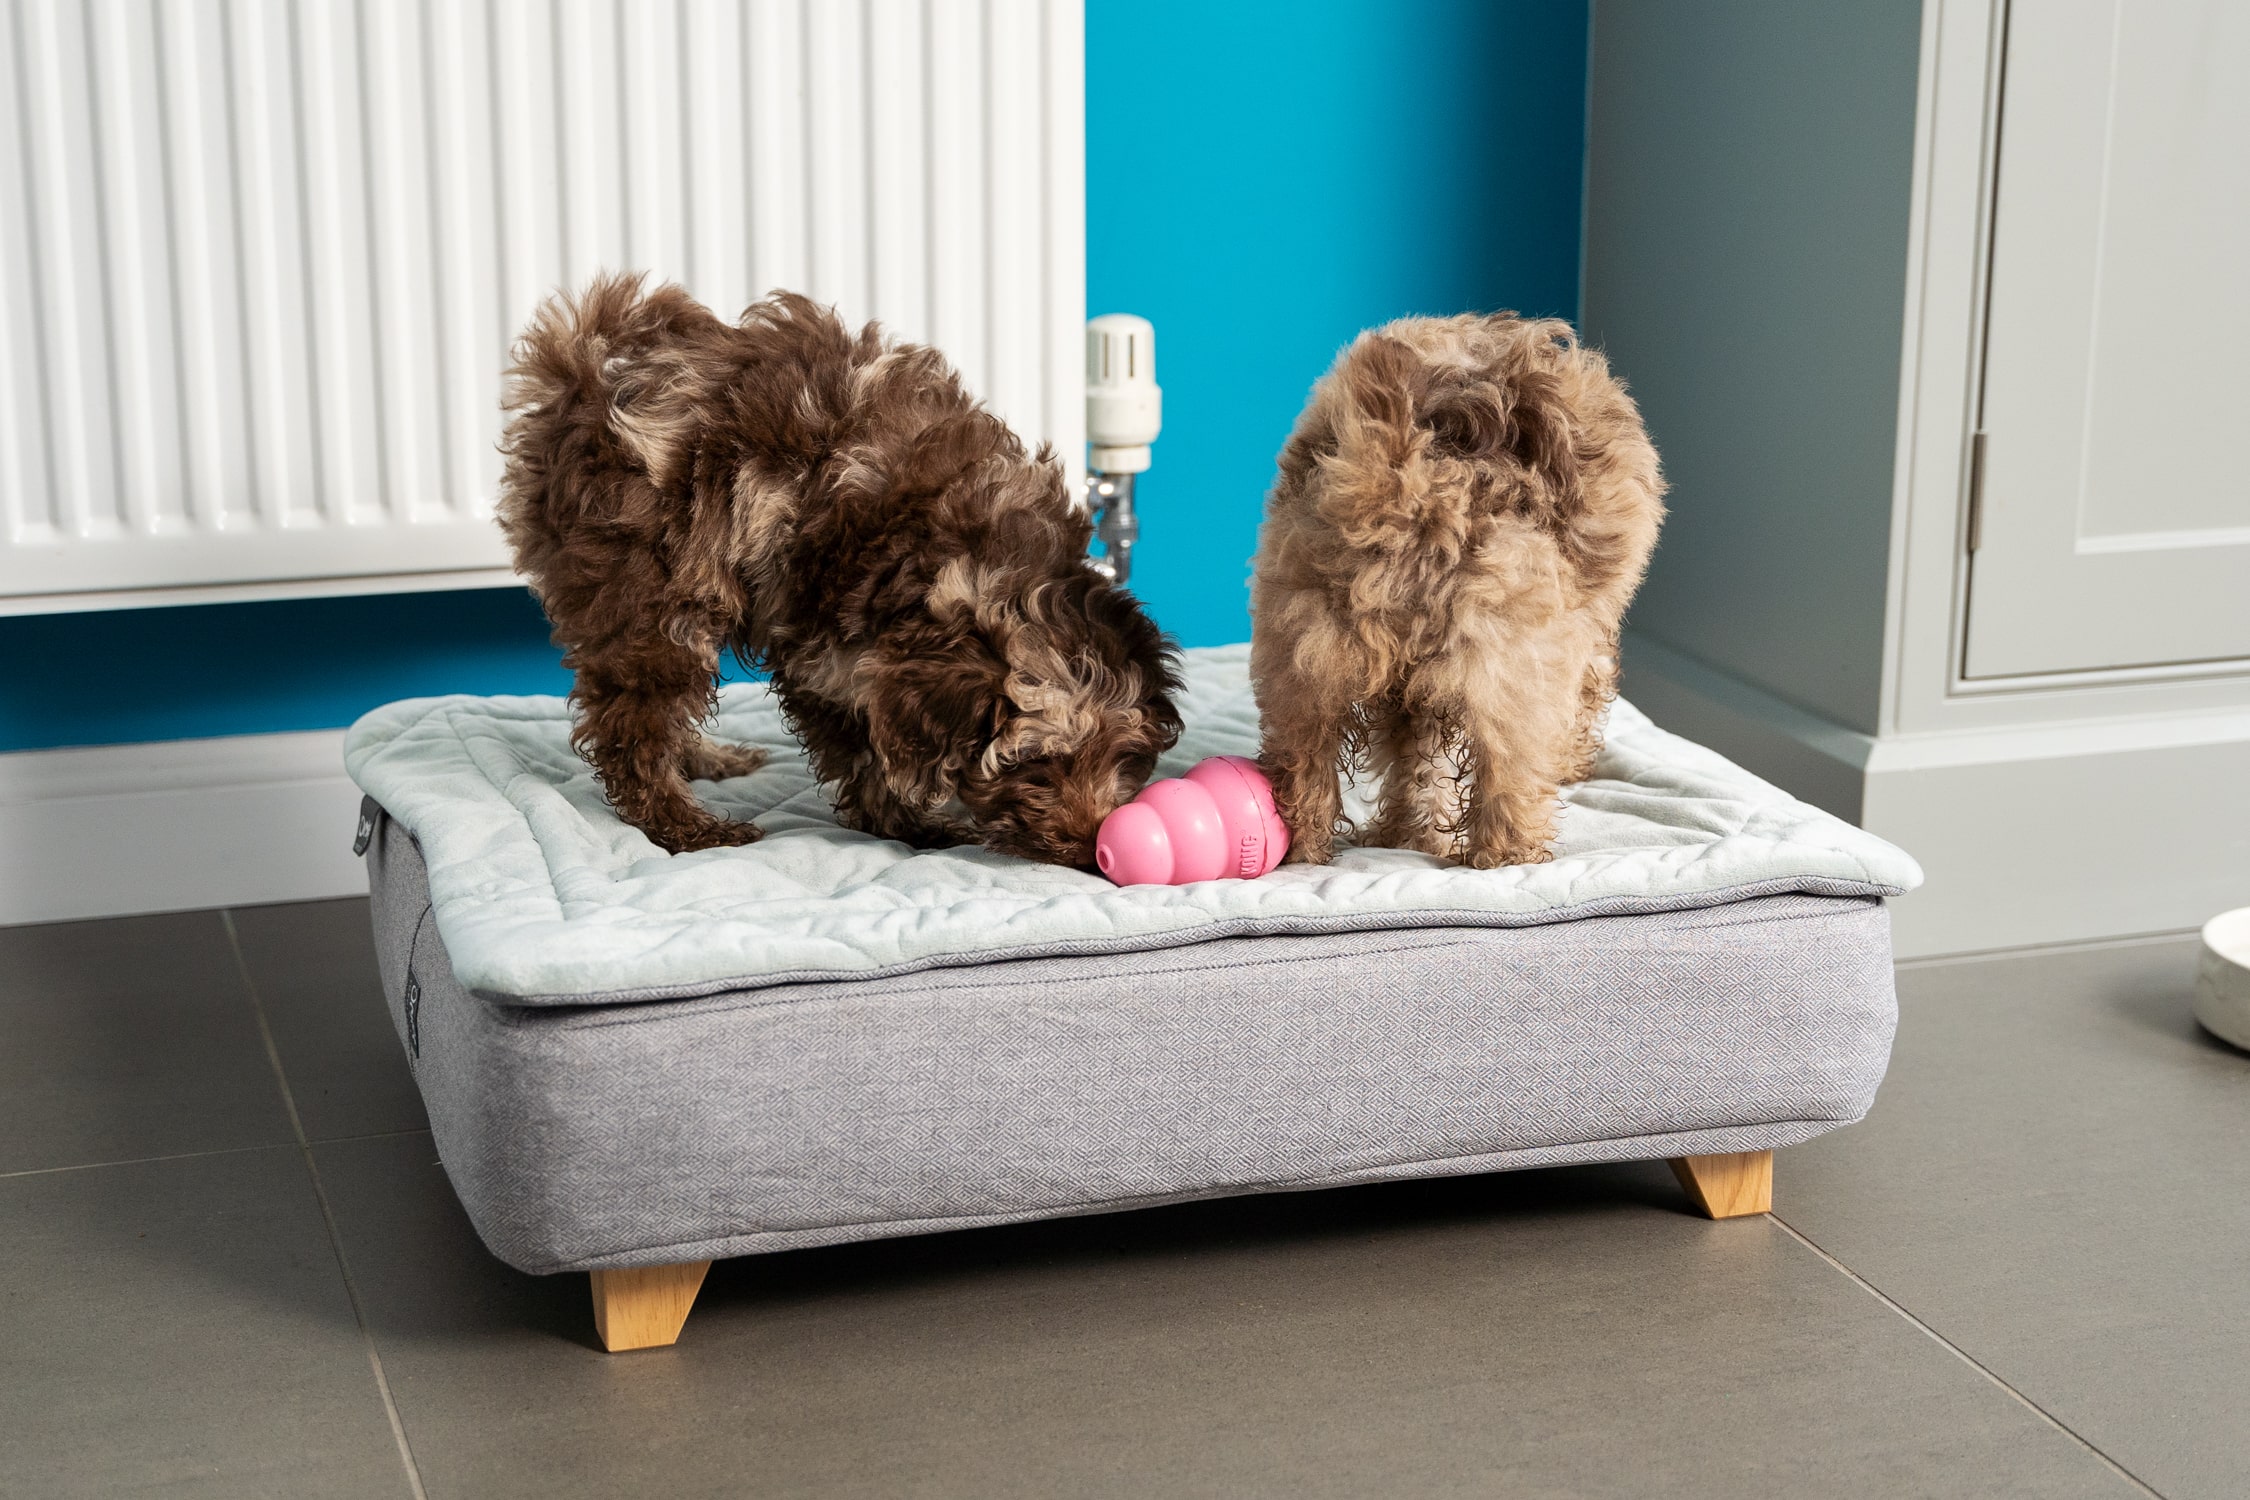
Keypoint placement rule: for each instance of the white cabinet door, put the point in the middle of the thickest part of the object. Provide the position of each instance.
(2115, 514)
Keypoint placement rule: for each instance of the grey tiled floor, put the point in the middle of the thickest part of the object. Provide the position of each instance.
(230, 1265)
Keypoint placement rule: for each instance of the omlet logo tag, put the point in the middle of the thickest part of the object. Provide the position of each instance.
(414, 1015)
(367, 811)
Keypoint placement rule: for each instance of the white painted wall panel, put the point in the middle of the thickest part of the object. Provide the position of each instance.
(260, 259)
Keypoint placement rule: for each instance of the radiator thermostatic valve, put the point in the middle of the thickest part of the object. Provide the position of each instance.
(1124, 413)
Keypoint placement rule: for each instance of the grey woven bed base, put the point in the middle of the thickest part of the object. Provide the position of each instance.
(662, 1131)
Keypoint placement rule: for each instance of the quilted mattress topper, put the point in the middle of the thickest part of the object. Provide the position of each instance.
(542, 896)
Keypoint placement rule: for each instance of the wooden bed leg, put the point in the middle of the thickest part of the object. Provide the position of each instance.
(1729, 1186)
(643, 1308)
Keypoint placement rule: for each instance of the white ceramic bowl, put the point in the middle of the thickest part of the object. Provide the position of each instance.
(2222, 983)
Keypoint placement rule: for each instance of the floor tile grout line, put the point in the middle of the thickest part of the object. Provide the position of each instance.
(2035, 950)
(143, 1161)
(327, 1213)
(1965, 1357)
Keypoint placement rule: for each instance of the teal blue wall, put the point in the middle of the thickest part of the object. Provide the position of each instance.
(208, 669)
(1301, 170)
(1304, 171)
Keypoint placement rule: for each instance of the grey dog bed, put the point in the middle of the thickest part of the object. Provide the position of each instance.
(637, 1062)
(637, 1130)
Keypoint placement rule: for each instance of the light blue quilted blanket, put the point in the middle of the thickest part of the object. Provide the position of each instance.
(541, 894)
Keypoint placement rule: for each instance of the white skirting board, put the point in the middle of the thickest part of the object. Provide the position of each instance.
(175, 826)
(2032, 834)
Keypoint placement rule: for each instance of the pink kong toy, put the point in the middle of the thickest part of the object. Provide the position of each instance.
(1216, 821)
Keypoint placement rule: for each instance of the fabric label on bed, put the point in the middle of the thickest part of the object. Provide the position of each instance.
(541, 894)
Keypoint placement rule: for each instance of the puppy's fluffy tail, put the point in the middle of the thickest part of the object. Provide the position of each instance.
(1422, 438)
(570, 451)
(576, 346)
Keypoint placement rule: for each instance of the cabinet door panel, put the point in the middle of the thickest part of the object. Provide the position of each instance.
(2115, 527)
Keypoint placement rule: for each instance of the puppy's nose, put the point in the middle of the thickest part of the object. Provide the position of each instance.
(1088, 821)
(1074, 841)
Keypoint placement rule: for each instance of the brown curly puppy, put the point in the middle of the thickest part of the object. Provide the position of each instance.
(1464, 510)
(836, 508)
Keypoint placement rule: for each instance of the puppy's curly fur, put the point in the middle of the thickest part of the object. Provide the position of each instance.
(1464, 511)
(836, 508)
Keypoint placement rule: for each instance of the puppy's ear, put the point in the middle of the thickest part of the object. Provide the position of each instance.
(1384, 380)
(930, 713)
(1088, 670)
(1540, 433)
(1035, 704)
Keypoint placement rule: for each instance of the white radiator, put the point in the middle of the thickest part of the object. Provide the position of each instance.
(260, 260)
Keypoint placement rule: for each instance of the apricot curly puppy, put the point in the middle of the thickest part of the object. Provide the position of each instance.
(836, 508)
(1464, 511)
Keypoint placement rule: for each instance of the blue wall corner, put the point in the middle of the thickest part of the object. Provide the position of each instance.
(211, 669)
(1301, 170)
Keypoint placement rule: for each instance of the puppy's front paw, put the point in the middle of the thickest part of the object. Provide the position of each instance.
(709, 833)
(716, 760)
(1509, 854)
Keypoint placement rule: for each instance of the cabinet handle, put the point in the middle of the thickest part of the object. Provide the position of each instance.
(1976, 491)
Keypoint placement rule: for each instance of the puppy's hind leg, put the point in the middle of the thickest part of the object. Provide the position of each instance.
(638, 712)
(1407, 742)
(1594, 695)
(1514, 771)
(1305, 726)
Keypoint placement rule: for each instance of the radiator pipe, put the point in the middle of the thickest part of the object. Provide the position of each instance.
(1115, 525)
(1124, 413)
